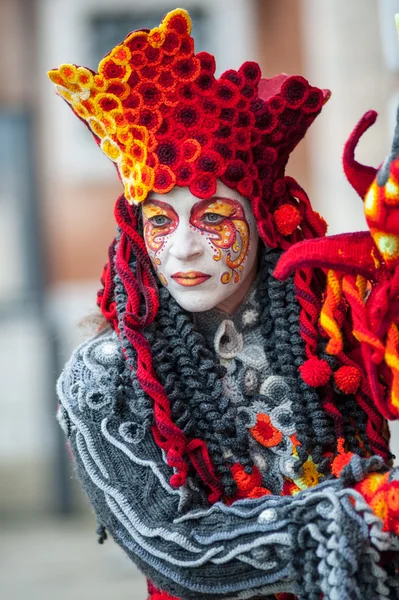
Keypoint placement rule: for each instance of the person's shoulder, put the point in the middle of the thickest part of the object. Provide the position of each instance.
(91, 378)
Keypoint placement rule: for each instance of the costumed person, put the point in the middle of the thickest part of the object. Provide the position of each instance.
(229, 422)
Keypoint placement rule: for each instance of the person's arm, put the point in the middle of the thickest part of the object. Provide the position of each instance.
(255, 547)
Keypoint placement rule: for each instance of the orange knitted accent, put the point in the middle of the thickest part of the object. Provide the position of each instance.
(265, 433)
(249, 485)
(341, 460)
(328, 321)
(392, 360)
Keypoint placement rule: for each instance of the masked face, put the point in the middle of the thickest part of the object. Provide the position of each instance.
(203, 251)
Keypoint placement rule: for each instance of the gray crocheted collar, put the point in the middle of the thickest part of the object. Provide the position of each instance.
(246, 316)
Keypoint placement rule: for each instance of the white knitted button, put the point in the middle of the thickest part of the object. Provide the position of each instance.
(268, 515)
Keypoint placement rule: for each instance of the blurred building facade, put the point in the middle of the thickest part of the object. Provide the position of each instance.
(57, 192)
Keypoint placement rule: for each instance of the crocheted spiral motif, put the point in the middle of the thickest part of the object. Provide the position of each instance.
(158, 112)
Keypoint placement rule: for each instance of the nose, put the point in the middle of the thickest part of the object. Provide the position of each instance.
(186, 245)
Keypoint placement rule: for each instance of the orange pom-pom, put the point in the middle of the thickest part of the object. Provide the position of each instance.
(347, 379)
(315, 372)
(287, 219)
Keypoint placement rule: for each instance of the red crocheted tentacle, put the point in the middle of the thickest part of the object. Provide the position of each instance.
(359, 176)
(310, 310)
(312, 224)
(105, 296)
(141, 309)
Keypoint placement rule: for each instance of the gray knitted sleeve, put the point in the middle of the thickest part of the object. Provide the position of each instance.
(324, 540)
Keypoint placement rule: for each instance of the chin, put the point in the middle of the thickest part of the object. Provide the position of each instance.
(198, 303)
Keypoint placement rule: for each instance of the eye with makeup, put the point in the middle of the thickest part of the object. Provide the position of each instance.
(211, 218)
(159, 221)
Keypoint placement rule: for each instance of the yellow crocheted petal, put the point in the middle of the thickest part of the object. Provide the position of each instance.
(371, 484)
(371, 202)
(111, 149)
(81, 111)
(100, 83)
(56, 78)
(68, 72)
(391, 192)
(97, 127)
(121, 55)
(310, 475)
(84, 77)
(387, 244)
(148, 177)
(379, 505)
(156, 37)
(135, 193)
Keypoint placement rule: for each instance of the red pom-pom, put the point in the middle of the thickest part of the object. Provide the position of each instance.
(347, 379)
(315, 372)
(287, 219)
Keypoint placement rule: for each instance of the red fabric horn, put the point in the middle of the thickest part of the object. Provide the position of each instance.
(359, 176)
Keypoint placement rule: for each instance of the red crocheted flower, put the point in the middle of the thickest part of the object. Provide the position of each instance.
(136, 43)
(152, 96)
(171, 43)
(111, 70)
(133, 80)
(186, 69)
(276, 104)
(314, 101)
(165, 179)
(186, 47)
(168, 153)
(245, 186)
(133, 102)
(289, 117)
(251, 72)
(233, 76)
(166, 81)
(265, 433)
(108, 103)
(235, 172)
(208, 63)
(185, 174)
(179, 24)
(149, 73)
(266, 121)
(227, 93)
(210, 162)
(188, 116)
(204, 186)
(151, 119)
(294, 91)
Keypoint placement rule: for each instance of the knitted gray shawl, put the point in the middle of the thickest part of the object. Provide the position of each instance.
(325, 540)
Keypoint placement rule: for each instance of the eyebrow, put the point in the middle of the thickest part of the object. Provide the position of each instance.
(166, 205)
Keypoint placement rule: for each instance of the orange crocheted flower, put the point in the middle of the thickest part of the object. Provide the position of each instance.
(249, 485)
(265, 433)
(341, 460)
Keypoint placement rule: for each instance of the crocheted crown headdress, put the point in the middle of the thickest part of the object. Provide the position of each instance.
(157, 111)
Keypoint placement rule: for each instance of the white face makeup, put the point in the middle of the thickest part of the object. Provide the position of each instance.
(202, 250)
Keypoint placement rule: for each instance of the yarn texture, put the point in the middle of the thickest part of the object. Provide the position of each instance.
(246, 455)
